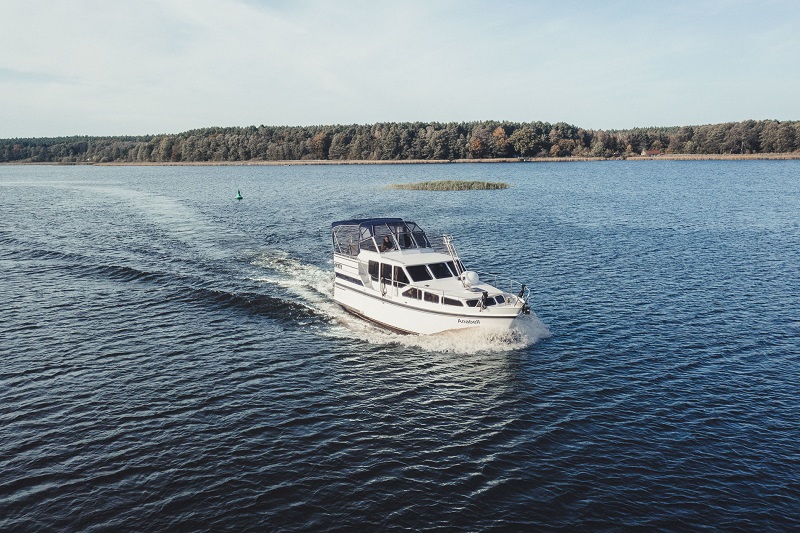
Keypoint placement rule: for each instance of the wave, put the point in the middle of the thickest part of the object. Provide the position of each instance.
(277, 309)
(313, 288)
(78, 264)
(306, 295)
(185, 288)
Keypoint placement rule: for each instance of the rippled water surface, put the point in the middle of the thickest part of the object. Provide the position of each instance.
(171, 359)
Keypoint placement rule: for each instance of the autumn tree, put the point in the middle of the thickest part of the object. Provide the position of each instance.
(320, 143)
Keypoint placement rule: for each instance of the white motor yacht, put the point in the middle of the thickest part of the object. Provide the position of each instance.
(389, 272)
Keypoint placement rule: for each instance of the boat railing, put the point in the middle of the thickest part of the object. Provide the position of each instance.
(444, 244)
(507, 285)
(516, 293)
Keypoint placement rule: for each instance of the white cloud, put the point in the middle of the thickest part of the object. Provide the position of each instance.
(94, 67)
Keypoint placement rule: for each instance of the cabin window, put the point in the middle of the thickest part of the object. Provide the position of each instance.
(452, 267)
(386, 272)
(433, 298)
(440, 270)
(373, 270)
(418, 273)
(400, 278)
(490, 301)
(339, 275)
(412, 293)
(473, 303)
(500, 299)
(451, 301)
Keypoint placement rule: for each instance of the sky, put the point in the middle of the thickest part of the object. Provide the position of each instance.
(94, 67)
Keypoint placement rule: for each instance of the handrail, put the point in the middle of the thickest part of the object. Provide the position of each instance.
(451, 249)
(519, 294)
(444, 244)
(514, 287)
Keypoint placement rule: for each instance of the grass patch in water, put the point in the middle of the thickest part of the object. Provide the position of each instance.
(450, 185)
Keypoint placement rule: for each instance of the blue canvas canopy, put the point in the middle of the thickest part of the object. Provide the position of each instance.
(366, 222)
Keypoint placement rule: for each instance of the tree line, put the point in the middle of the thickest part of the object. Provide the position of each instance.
(408, 141)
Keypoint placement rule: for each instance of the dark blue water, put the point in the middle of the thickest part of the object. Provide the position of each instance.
(169, 358)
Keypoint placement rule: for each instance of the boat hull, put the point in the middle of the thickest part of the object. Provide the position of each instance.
(398, 316)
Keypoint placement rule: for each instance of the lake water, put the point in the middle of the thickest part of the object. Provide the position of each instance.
(171, 359)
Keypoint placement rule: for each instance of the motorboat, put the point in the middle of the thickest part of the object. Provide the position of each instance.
(388, 271)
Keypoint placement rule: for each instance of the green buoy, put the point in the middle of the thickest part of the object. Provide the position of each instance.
(239, 194)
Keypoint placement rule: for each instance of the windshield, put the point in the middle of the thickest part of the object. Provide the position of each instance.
(418, 273)
(440, 270)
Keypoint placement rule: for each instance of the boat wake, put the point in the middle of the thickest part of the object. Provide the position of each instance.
(312, 287)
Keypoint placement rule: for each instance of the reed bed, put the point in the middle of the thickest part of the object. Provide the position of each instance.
(450, 185)
(717, 157)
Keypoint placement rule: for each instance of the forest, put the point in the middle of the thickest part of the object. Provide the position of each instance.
(392, 141)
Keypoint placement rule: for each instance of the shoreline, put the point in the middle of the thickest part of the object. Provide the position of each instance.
(663, 157)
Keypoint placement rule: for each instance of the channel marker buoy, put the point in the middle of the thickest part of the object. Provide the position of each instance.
(239, 194)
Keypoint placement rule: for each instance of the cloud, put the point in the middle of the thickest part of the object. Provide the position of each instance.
(147, 66)
(22, 77)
